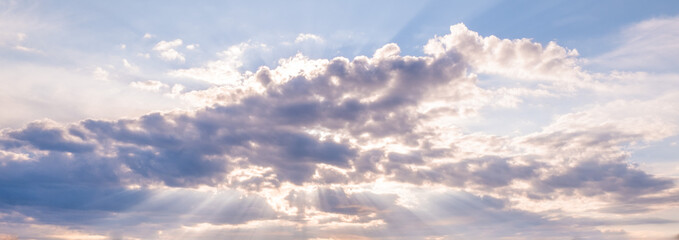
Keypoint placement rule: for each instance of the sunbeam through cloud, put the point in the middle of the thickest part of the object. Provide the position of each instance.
(339, 120)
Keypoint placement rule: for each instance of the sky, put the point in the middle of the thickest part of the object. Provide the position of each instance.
(339, 120)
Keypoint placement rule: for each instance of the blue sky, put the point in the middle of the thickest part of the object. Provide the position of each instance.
(339, 120)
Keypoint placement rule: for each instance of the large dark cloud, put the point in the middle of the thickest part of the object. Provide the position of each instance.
(44, 137)
(326, 128)
(266, 130)
(89, 166)
(595, 178)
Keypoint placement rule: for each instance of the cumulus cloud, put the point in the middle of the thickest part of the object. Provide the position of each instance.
(365, 146)
(515, 58)
(167, 50)
(302, 37)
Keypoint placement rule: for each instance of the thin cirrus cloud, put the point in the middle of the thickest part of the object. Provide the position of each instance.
(346, 148)
(648, 45)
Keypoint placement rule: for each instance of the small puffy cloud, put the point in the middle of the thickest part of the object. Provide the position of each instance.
(163, 45)
(192, 46)
(303, 37)
(167, 50)
(148, 36)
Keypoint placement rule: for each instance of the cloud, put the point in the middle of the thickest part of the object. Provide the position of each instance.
(11, 156)
(167, 50)
(302, 37)
(27, 49)
(221, 72)
(650, 45)
(45, 136)
(595, 178)
(19, 26)
(367, 146)
(130, 66)
(515, 58)
(150, 85)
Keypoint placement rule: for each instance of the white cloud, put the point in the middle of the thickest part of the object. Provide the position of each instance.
(225, 71)
(150, 85)
(16, 42)
(649, 120)
(12, 156)
(26, 49)
(514, 58)
(167, 51)
(651, 45)
(130, 66)
(148, 36)
(302, 37)
(164, 45)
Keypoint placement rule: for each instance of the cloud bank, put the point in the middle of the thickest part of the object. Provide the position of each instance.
(344, 148)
